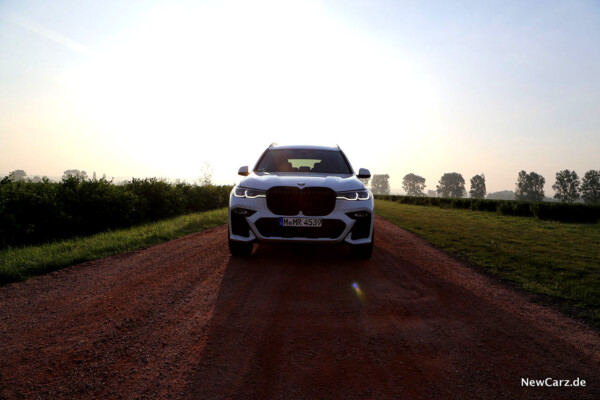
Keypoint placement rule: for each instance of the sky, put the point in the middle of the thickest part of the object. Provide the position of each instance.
(152, 88)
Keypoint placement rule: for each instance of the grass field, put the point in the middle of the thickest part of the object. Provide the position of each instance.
(17, 264)
(560, 260)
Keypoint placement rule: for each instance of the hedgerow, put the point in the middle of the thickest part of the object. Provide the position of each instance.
(32, 213)
(564, 212)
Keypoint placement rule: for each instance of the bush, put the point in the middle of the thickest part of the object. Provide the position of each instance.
(564, 212)
(484, 205)
(461, 203)
(28, 211)
(33, 213)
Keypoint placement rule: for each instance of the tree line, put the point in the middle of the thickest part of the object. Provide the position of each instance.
(20, 175)
(529, 186)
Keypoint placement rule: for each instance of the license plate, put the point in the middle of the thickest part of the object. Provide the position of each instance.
(300, 221)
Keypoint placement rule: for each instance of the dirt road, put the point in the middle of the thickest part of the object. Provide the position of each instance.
(184, 320)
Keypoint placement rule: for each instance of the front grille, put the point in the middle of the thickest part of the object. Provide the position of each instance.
(317, 201)
(312, 201)
(284, 200)
(331, 229)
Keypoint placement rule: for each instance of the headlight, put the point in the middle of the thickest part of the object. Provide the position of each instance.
(362, 194)
(249, 193)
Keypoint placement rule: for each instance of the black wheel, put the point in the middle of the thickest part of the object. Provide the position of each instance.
(240, 249)
(362, 251)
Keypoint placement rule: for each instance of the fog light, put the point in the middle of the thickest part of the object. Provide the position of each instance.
(359, 214)
(243, 212)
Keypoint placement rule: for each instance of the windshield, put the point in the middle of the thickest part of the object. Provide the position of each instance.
(303, 161)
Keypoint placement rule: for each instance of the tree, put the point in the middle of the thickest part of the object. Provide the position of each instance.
(17, 175)
(380, 184)
(206, 174)
(451, 184)
(413, 185)
(478, 189)
(530, 187)
(75, 173)
(566, 186)
(590, 187)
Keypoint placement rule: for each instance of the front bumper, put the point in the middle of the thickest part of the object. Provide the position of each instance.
(350, 222)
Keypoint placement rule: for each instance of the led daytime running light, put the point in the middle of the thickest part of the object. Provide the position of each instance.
(248, 193)
(354, 195)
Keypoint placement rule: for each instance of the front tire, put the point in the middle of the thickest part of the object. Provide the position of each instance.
(240, 249)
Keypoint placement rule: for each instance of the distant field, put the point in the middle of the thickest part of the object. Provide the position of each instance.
(17, 264)
(561, 260)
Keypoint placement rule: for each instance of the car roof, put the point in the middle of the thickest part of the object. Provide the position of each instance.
(308, 147)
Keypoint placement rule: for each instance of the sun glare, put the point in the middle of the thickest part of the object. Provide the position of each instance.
(244, 74)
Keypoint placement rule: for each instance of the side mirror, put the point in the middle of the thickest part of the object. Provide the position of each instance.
(364, 173)
(243, 171)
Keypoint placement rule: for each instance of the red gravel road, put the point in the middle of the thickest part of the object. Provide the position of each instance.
(185, 320)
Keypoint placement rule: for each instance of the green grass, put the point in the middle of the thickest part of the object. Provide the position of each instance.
(17, 264)
(560, 260)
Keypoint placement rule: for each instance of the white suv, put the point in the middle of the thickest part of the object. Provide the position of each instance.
(301, 194)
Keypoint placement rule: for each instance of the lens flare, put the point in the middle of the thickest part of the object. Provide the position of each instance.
(359, 292)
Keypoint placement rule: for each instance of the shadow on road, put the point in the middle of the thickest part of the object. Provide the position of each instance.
(305, 321)
(285, 325)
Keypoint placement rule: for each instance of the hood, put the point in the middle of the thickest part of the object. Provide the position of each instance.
(335, 182)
